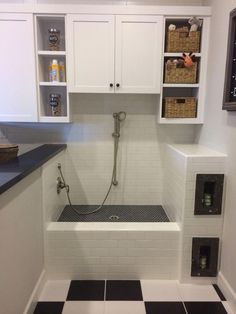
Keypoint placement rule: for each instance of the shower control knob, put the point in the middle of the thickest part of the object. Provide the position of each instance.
(111, 84)
(117, 85)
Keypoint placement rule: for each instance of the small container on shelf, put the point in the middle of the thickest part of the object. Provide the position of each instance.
(53, 39)
(179, 107)
(180, 75)
(62, 72)
(55, 104)
(54, 74)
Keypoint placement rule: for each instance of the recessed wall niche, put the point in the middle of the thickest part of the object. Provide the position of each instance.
(208, 194)
(204, 257)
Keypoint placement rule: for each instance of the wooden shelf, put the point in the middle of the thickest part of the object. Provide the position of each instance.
(59, 119)
(52, 83)
(51, 53)
(179, 54)
(180, 121)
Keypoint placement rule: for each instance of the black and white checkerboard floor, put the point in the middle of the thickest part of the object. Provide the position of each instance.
(130, 297)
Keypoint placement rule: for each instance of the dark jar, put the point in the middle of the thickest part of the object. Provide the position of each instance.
(55, 104)
(53, 39)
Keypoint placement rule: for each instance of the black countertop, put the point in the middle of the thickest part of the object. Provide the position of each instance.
(14, 171)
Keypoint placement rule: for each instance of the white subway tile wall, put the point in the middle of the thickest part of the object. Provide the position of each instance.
(89, 158)
(111, 254)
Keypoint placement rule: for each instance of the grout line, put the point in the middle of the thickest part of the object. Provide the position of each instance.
(184, 307)
(105, 290)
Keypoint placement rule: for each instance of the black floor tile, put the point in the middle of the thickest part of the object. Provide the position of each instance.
(165, 308)
(219, 292)
(123, 290)
(205, 308)
(49, 308)
(86, 290)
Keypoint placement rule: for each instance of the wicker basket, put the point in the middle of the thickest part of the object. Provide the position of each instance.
(8, 152)
(181, 107)
(173, 74)
(181, 40)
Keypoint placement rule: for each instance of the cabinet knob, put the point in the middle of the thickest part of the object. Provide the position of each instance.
(117, 85)
(111, 84)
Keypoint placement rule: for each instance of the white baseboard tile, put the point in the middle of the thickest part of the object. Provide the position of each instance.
(227, 291)
(30, 307)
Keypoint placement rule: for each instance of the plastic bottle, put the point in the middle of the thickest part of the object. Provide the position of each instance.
(62, 71)
(50, 71)
(55, 71)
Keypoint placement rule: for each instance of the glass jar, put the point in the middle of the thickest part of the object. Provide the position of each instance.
(55, 104)
(53, 39)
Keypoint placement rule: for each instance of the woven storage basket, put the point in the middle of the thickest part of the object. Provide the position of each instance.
(8, 152)
(181, 40)
(180, 107)
(180, 75)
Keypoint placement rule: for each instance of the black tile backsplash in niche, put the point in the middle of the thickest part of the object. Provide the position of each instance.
(208, 194)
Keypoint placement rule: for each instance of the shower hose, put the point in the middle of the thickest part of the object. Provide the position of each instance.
(113, 182)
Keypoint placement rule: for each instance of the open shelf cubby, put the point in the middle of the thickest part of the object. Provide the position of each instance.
(45, 55)
(179, 82)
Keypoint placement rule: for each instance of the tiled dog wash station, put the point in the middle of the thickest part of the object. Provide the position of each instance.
(117, 157)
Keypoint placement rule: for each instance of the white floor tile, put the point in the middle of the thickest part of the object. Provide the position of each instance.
(55, 290)
(227, 307)
(190, 292)
(124, 307)
(83, 307)
(160, 290)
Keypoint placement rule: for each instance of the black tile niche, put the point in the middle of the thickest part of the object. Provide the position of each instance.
(208, 194)
(205, 253)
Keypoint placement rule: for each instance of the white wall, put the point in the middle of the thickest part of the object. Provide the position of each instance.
(89, 159)
(219, 130)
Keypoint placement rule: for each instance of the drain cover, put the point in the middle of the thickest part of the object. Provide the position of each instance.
(114, 217)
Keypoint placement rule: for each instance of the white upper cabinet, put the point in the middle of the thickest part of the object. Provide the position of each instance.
(138, 54)
(110, 54)
(90, 53)
(17, 63)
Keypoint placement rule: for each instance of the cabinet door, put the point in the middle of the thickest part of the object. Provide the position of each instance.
(138, 54)
(90, 53)
(17, 63)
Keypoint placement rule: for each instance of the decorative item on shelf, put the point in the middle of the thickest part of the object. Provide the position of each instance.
(176, 72)
(207, 199)
(53, 39)
(179, 107)
(8, 152)
(195, 23)
(189, 59)
(172, 27)
(184, 38)
(55, 103)
(203, 262)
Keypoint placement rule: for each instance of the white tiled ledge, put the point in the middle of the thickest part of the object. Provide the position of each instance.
(111, 226)
(195, 150)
